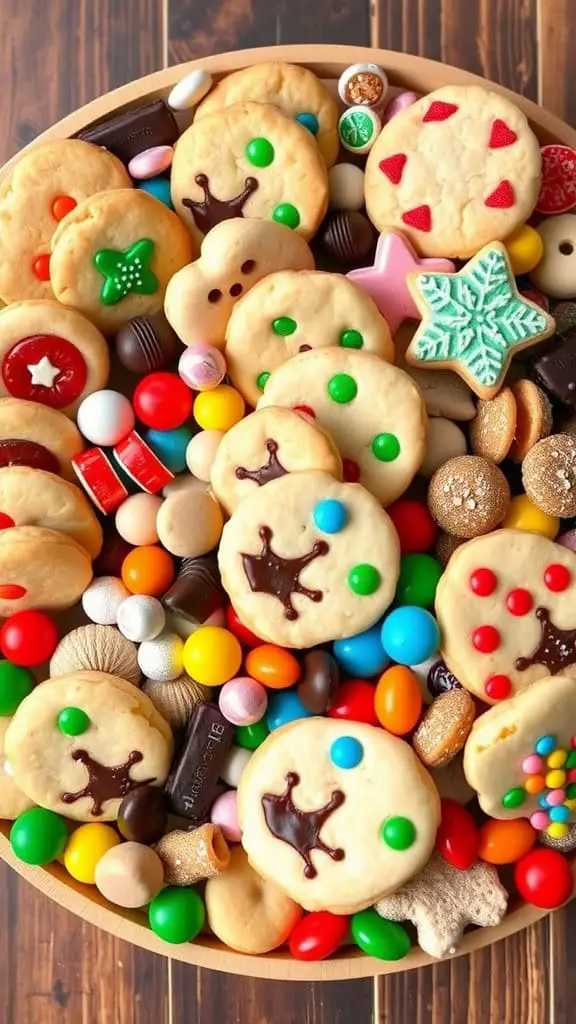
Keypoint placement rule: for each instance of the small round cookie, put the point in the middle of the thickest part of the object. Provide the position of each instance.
(234, 256)
(549, 475)
(533, 418)
(445, 440)
(125, 743)
(507, 612)
(493, 429)
(35, 435)
(45, 185)
(248, 160)
(13, 801)
(291, 312)
(266, 445)
(468, 496)
(308, 559)
(373, 411)
(555, 274)
(189, 521)
(32, 497)
(40, 568)
(454, 171)
(317, 820)
(50, 354)
(113, 256)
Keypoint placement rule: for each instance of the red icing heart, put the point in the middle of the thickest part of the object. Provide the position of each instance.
(393, 166)
(68, 383)
(6, 521)
(502, 198)
(11, 591)
(439, 111)
(501, 135)
(420, 218)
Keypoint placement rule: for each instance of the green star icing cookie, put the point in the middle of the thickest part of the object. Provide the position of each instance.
(476, 318)
(126, 271)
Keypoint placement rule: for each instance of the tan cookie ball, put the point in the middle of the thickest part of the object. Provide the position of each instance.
(176, 699)
(533, 418)
(468, 496)
(189, 522)
(549, 475)
(130, 875)
(492, 429)
(444, 728)
(99, 649)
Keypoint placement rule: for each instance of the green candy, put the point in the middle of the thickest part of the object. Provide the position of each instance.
(351, 339)
(398, 833)
(571, 790)
(73, 721)
(262, 380)
(126, 271)
(177, 914)
(513, 798)
(363, 579)
(377, 937)
(15, 684)
(385, 447)
(571, 760)
(260, 152)
(251, 736)
(284, 325)
(39, 836)
(286, 214)
(418, 579)
(342, 388)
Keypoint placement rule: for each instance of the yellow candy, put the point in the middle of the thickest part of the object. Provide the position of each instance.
(570, 804)
(524, 248)
(86, 846)
(557, 759)
(212, 655)
(555, 779)
(218, 409)
(523, 514)
(557, 830)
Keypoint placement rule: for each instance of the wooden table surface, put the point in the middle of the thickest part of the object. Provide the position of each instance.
(54, 56)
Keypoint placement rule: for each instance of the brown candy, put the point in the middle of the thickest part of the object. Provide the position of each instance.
(129, 875)
(191, 786)
(533, 418)
(493, 427)
(197, 591)
(468, 496)
(348, 238)
(444, 728)
(146, 344)
(142, 815)
(134, 131)
(191, 856)
(320, 680)
(555, 371)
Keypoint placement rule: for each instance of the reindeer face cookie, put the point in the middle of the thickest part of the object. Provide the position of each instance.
(322, 804)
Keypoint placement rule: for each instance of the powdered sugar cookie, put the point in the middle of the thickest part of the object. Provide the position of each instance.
(35, 435)
(454, 171)
(40, 568)
(32, 497)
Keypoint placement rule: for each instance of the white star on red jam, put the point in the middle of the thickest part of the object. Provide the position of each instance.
(44, 372)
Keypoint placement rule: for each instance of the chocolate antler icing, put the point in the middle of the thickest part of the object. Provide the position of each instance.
(210, 211)
(300, 829)
(556, 650)
(271, 470)
(104, 782)
(269, 573)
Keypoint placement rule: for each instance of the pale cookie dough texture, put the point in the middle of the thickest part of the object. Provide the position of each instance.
(505, 737)
(40, 568)
(373, 411)
(127, 742)
(61, 169)
(266, 445)
(142, 243)
(234, 256)
(289, 313)
(28, 421)
(13, 801)
(506, 606)
(249, 160)
(32, 497)
(316, 829)
(307, 559)
(454, 171)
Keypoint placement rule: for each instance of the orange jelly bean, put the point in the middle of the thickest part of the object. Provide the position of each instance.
(398, 700)
(534, 784)
(148, 570)
(505, 842)
(272, 666)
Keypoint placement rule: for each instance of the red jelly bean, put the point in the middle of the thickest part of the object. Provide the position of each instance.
(41, 267)
(28, 638)
(318, 935)
(414, 525)
(519, 601)
(355, 702)
(458, 839)
(486, 639)
(483, 582)
(544, 878)
(241, 632)
(557, 578)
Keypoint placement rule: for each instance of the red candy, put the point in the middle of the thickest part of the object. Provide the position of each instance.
(486, 639)
(498, 687)
(519, 601)
(28, 638)
(414, 525)
(350, 471)
(6, 522)
(99, 479)
(458, 839)
(162, 401)
(544, 878)
(61, 206)
(318, 935)
(483, 582)
(557, 578)
(141, 464)
(558, 187)
(306, 410)
(41, 267)
(355, 702)
(241, 632)
(67, 384)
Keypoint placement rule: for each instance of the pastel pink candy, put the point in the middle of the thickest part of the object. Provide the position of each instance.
(151, 162)
(539, 820)
(398, 103)
(567, 540)
(532, 764)
(556, 797)
(202, 367)
(224, 813)
(243, 701)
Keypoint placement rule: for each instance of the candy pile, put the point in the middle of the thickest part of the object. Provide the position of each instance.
(318, 527)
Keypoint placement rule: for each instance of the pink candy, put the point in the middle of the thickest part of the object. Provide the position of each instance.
(538, 820)
(400, 102)
(224, 813)
(202, 367)
(532, 764)
(243, 701)
(151, 162)
(555, 797)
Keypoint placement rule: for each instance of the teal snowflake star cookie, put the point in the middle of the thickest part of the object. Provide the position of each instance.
(474, 321)
(126, 271)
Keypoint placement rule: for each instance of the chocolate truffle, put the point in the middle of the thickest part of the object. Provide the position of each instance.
(146, 344)
(348, 238)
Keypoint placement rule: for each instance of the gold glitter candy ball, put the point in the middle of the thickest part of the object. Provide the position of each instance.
(549, 475)
(468, 496)
(444, 728)
(99, 649)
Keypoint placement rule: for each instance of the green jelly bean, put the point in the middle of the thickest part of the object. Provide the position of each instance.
(251, 736)
(377, 937)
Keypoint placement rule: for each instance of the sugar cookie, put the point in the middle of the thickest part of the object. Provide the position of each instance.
(40, 568)
(13, 801)
(35, 435)
(32, 497)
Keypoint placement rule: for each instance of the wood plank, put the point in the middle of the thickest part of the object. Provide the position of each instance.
(557, 24)
(562, 964)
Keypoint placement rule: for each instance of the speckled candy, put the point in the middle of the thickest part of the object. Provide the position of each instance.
(161, 658)
(224, 813)
(140, 618)
(202, 367)
(243, 701)
(150, 162)
(102, 598)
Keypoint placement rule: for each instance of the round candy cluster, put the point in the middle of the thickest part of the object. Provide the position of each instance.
(551, 775)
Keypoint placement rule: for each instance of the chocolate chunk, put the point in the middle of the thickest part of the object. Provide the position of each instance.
(556, 370)
(143, 814)
(197, 591)
(191, 787)
(348, 238)
(146, 344)
(133, 131)
(320, 680)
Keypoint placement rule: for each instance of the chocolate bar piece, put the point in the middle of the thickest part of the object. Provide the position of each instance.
(197, 590)
(133, 131)
(556, 370)
(192, 784)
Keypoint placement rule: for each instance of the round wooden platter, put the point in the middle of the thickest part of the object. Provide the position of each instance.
(327, 62)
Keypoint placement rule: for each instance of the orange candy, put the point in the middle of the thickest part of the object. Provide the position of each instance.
(148, 570)
(534, 784)
(505, 842)
(398, 700)
(272, 666)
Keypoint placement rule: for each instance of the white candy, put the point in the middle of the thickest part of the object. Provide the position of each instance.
(140, 618)
(190, 90)
(363, 85)
(235, 763)
(358, 128)
(105, 417)
(161, 659)
(346, 184)
(102, 599)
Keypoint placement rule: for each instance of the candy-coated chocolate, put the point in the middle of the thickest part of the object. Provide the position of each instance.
(190, 89)
(318, 935)
(28, 638)
(251, 736)
(170, 446)
(398, 700)
(105, 417)
(218, 409)
(142, 815)
(544, 878)
(243, 701)
(355, 702)
(524, 248)
(418, 579)
(284, 706)
(140, 618)
(16, 683)
(148, 570)
(86, 846)
(73, 721)
(135, 520)
(414, 525)
(202, 367)
(399, 833)
(177, 914)
(346, 752)
(458, 839)
(319, 682)
(273, 666)
(377, 937)
(506, 841)
(362, 655)
(224, 813)
(410, 635)
(38, 836)
(150, 162)
(240, 630)
(523, 514)
(162, 401)
(212, 655)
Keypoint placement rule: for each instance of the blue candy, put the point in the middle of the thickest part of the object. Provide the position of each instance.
(330, 515)
(363, 655)
(560, 813)
(410, 635)
(545, 745)
(170, 446)
(284, 706)
(346, 752)
(159, 188)
(309, 121)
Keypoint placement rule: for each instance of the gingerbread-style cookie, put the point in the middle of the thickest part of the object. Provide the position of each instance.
(290, 312)
(234, 256)
(507, 612)
(308, 559)
(13, 801)
(32, 497)
(249, 160)
(454, 171)
(50, 354)
(35, 435)
(318, 819)
(45, 185)
(372, 410)
(125, 743)
(113, 256)
(295, 90)
(40, 568)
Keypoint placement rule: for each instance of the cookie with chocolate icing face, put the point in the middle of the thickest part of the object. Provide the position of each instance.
(307, 559)
(37, 436)
(78, 744)
(248, 160)
(338, 814)
(266, 445)
(40, 568)
(506, 606)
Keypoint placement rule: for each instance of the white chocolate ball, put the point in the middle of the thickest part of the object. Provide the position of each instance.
(445, 440)
(102, 598)
(235, 763)
(161, 659)
(140, 618)
(136, 519)
(346, 184)
(105, 417)
(201, 452)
